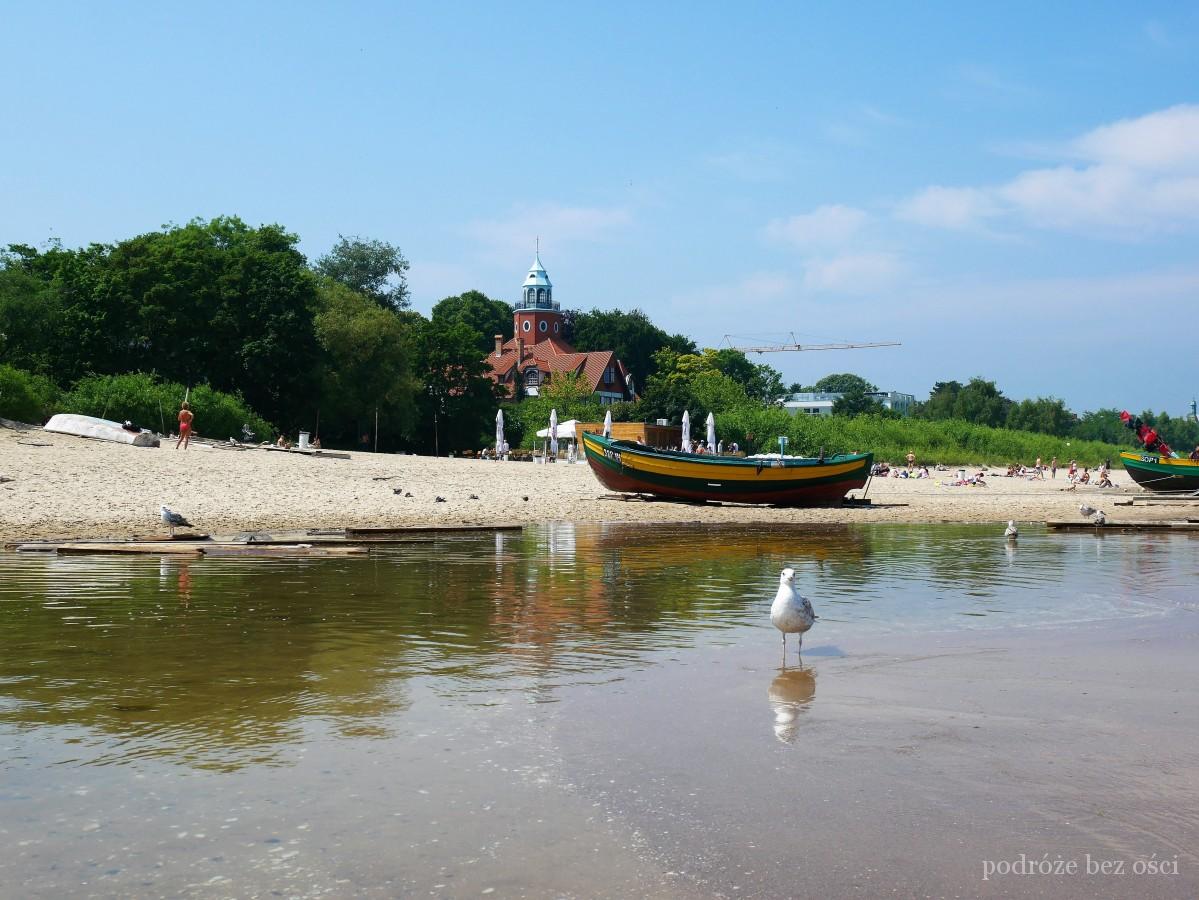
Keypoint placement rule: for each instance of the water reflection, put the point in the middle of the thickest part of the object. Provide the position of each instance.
(228, 663)
(790, 694)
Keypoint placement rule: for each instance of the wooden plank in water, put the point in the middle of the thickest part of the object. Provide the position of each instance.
(1112, 526)
(386, 531)
(280, 550)
(164, 548)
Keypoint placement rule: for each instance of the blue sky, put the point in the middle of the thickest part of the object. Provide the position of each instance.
(1012, 191)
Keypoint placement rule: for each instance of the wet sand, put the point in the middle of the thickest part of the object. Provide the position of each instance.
(72, 487)
(908, 766)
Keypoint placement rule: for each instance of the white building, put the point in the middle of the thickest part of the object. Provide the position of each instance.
(820, 403)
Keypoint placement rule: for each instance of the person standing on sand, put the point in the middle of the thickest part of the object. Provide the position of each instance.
(1053, 467)
(911, 459)
(1040, 471)
(185, 426)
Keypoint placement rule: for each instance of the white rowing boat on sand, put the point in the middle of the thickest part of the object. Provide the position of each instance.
(100, 429)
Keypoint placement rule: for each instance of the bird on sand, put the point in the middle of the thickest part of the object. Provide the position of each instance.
(1011, 532)
(1100, 517)
(1086, 511)
(173, 520)
(790, 613)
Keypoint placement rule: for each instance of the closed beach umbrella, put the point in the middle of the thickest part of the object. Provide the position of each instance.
(608, 424)
(499, 432)
(686, 445)
(711, 433)
(554, 432)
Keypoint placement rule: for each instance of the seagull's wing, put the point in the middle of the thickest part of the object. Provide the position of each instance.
(807, 607)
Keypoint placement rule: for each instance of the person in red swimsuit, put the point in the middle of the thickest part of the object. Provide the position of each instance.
(185, 426)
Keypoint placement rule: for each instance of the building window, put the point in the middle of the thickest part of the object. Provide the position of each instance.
(540, 294)
(532, 378)
(555, 328)
(608, 375)
(531, 294)
(527, 326)
(543, 326)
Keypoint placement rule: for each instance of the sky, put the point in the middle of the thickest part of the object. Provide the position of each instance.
(1008, 190)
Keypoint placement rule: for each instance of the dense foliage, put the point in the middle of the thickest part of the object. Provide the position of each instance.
(237, 314)
(150, 403)
(25, 396)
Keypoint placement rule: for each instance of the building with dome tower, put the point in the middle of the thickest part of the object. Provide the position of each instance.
(538, 350)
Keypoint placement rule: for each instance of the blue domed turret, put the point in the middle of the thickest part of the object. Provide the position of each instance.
(537, 292)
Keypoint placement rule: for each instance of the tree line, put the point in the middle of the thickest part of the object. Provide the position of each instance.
(257, 332)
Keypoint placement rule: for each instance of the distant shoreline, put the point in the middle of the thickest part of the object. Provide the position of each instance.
(68, 487)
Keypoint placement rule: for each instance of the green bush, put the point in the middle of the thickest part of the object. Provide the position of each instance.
(25, 397)
(154, 404)
(948, 441)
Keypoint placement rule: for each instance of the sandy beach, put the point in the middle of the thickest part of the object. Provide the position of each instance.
(65, 486)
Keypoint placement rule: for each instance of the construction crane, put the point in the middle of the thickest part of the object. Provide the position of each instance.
(796, 345)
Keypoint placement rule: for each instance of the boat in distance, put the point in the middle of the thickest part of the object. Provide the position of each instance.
(630, 467)
(1161, 474)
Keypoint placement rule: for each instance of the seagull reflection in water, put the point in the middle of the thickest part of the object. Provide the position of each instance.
(790, 694)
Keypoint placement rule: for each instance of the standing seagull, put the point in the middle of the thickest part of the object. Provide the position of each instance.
(790, 613)
(1011, 533)
(173, 520)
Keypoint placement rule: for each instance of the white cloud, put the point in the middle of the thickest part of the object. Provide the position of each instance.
(853, 273)
(1136, 177)
(824, 226)
(555, 224)
(1163, 141)
(948, 207)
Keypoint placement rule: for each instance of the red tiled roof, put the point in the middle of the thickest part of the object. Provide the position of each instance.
(553, 355)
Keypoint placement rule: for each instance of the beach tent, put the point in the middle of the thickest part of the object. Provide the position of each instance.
(566, 430)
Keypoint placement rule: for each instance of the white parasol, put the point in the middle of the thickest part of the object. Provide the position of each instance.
(711, 433)
(608, 424)
(686, 445)
(499, 433)
(554, 433)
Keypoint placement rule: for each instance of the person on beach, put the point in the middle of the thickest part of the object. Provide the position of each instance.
(1072, 472)
(185, 426)
(1040, 469)
(1195, 453)
(1053, 467)
(911, 458)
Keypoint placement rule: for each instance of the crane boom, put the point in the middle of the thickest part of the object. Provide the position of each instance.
(795, 345)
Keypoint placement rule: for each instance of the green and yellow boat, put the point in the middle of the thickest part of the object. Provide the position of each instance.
(630, 467)
(1161, 474)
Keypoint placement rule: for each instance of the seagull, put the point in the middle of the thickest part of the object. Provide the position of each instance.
(173, 520)
(1087, 511)
(1011, 532)
(1100, 518)
(790, 613)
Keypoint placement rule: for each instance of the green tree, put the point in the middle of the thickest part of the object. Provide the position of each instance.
(456, 408)
(761, 382)
(940, 401)
(982, 403)
(1045, 415)
(373, 268)
(485, 316)
(366, 366)
(1102, 425)
(844, 383)
(214, 302)
(631, 334)
(30, 317)
(856, 403)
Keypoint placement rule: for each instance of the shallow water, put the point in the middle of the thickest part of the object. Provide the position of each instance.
(529, 713)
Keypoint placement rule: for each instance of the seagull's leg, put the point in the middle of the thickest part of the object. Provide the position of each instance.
(799, 652)
(784, 649)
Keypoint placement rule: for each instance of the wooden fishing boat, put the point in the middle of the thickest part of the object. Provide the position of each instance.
(635, 468)
(1158, 473)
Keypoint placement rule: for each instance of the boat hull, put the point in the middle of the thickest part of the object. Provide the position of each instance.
(1154, 473)
(630, 468)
